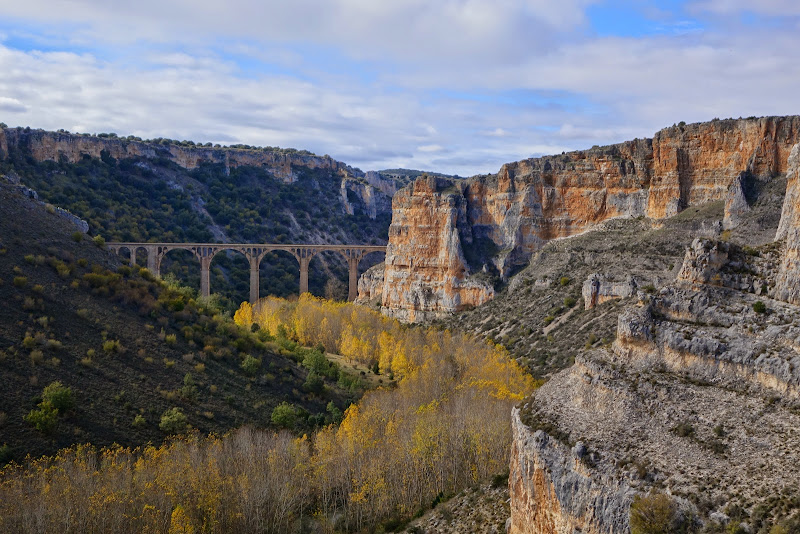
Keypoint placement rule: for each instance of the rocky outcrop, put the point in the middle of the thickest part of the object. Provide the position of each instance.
(736, 205)
(553, 488)
(787, 286)
(697, 386)
(373, 198)
(370, 286)
(503, 218)
(598, 289)
(426, 273)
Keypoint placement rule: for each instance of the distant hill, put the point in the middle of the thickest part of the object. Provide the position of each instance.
(406, 176)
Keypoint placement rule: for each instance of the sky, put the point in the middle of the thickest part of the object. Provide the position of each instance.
(454, 86)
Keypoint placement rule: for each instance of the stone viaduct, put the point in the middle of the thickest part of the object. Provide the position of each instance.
(205, 252)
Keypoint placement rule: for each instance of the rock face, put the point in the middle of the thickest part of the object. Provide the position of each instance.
(498, 221)
(597, 289)
(553, 491)
(787, 287)
(425, 264)
(373, 190)
(735, 203)
(699, 386)
(370, 286)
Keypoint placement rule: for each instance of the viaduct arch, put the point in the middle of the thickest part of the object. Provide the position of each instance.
(205, 252)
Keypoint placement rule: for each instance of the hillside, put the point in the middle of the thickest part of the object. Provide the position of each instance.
(162, 190)
(125, 344)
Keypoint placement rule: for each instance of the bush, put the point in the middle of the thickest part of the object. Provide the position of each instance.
(44, 418)
(564, 280)
(569, 302)
(139, 421)
(284, 415)
(99, 241)
(77, 237)
(173, 421)
(59, 396)
(20, 281)
(758, 307)
(251, 365)
(652, 514)
(314, 383)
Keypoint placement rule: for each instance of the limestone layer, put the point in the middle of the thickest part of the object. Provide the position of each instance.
(787, 286)
(445, 233)
(371, 189)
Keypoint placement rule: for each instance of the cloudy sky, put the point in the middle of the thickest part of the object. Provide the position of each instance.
(456, 86)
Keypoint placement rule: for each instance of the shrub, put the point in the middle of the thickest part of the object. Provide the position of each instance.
(37, 357)
(77, 237)
(652, 514)
(250, 365)
(20, 281)
(759, 307)
(99, 241)
(112, 346)
(173, 421)
(59, 396)
(44, 418)
(313, 383)
(284, 415)
(171, 339)
(569, 302)
(564, 280)
(139, 421)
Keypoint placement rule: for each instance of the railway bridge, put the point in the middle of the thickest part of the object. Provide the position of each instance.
(254, 253)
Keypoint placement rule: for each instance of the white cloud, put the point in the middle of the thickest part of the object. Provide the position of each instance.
(408, 83)
(12, 105)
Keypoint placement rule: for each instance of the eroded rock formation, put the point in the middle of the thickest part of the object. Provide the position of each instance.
(496, 222)
(787, 286)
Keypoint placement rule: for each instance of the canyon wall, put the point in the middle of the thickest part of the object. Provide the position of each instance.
(493, 223)
(372, 189)
(787, 287)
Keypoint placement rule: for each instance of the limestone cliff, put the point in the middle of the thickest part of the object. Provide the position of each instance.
(788, 283)
(373, 191)
(699, 386)
(498, 221)
(425, 264)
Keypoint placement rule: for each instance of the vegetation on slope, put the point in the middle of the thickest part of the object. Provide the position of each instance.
(140, 199)
(442, 428)
(130, 348)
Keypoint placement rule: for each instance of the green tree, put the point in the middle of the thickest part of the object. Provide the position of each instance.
(173, 421)
(44, 418)
(284, 415)
(59, 396)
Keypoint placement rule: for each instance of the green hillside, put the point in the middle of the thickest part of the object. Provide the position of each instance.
(129, 347)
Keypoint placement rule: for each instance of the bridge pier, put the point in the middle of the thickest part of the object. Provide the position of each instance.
(352, 263)
(304, 274)
(254, 287)
(205, 276)
(152, 263)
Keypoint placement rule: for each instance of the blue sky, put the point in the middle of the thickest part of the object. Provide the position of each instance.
(457, 86)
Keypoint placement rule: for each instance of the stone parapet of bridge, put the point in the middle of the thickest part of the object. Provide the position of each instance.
(254, 253)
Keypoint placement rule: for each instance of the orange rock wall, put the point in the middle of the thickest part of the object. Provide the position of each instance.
(787, 287)
(497, 221)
